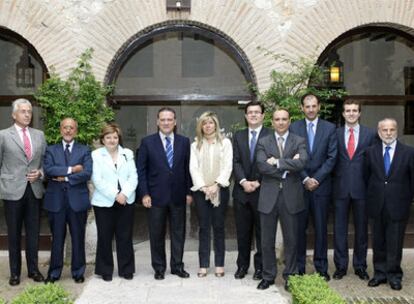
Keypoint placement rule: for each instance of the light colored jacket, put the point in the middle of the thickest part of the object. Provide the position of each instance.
(105, 176)
(14, 165)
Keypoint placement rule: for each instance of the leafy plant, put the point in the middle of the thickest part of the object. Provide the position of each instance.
(312, 289)
(2, 301)
(289, 85)
(44, 294)
(80, 96)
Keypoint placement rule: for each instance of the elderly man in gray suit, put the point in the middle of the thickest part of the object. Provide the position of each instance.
(21, 154)
(280, 157)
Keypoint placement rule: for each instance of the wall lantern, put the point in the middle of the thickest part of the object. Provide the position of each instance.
(25, 71)
(178, 5)
(334, 70)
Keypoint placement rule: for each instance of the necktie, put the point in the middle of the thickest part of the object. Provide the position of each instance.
(351, 143)
(311, 136)
(280, 140)
(253, 142)
(67, 154)
(387, 160)
(169, 151)
(26, 143)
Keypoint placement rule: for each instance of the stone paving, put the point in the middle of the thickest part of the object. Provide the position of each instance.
(144, 289)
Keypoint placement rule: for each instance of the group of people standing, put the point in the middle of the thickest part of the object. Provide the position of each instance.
(289, 174)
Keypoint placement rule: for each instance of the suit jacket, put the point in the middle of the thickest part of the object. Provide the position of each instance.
(14, 165)
(323, 157)
(348, 174)
(165, 185)
(273, 176)
(105, 176)
(76, 187)
(393, 192)
(243, 168)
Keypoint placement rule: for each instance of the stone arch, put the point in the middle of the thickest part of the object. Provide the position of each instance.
(315, 28)
(41, 25)
(246, 24)
(129, 46)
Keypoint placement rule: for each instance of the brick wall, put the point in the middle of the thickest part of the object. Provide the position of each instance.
(62, 29)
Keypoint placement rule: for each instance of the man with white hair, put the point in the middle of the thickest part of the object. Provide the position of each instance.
(21, 188)
(390, 173)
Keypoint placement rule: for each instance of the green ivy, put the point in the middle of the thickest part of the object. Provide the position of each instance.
(80, 96)
(43, 294)
(288, 86)
(312, 289)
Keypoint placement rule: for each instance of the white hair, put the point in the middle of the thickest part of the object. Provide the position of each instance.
(18, 102)
(387, 119)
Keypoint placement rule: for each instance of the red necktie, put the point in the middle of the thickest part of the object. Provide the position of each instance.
(26, 143)
(351, 143)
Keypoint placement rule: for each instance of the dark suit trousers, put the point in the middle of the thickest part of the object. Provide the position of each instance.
(27, 211)
(247, 223)
(289, 224)
(116, 221)
(388, 238)
(317, 207)
(342, 209)
(77, 225)
(210, 216)
(157, 222)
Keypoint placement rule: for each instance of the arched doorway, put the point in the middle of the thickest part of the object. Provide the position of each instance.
(187, 66)
(22, 71)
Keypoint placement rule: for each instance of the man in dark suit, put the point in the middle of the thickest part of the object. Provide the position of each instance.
(322, 148)
(280, 158)
(68, 166)
(390, 171)
(21, 188)
(164, 186)
(349, 191)
(246, 189)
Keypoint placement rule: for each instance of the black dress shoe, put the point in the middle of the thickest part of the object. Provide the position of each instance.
(339, 274)
(79, 280)
(50, 280)
(325, 276)
(128, 276)
(258, 275)
(159, 275)
(240, 273)
(36, 276)
(14, 280)
(395, 285)
(107, 278)
(374, 282)
(181, 273)
(362, 274)
(264, 284)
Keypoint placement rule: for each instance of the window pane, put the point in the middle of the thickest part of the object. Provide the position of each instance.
(374, 63)
(177, 63)
(10, 54)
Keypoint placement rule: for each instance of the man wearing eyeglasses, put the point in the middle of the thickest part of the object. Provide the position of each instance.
(246, 189)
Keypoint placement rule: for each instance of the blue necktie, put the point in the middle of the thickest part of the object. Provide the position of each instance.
(311, 136)
(253, 142)
(169, 151)
(67, 155)
(387, 160)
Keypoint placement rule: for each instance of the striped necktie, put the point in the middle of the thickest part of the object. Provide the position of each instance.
(169, 151)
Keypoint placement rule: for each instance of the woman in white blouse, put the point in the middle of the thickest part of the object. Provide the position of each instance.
(115, 179)
(211, 161)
